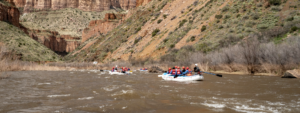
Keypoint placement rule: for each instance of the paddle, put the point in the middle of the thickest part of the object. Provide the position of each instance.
(212, 73)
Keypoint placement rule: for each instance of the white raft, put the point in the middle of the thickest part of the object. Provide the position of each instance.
(183, 78)
(164, 74)
(119, 73)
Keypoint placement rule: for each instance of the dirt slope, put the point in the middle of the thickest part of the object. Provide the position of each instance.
(207, 25)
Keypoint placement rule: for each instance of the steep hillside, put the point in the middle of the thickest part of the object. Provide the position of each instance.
(24, 46)
(207, 25)
(63, 23)
(14, 36)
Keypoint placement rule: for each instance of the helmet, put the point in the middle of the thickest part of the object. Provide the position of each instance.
(183, 67)
(175, 66)
(169, 68)
(178, 67)
(187, 68)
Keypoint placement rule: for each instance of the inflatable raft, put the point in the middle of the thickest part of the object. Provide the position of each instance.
(164, 74)
(183, 78)
(119, 73)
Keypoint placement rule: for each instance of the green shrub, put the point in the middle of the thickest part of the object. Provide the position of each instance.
(276, 8)
(172, 45)
(193, 38)
(165, 40)
(138, 29)
(291, 18)
(293, 29)
(182, 22)
(155, 32)
(136, 41)
(165, 16)
(227, 16)
(203, 28)
(218, 16)
(275, 2)
(262, 26)
(159, 21)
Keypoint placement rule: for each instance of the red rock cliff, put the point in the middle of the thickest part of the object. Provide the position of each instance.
(11, 14)
(142, 2)
(86, 5)
(98, 27)
(54, 41)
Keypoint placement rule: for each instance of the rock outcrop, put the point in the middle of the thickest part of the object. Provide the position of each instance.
(291, 74)
(155, 69)
(55, 41)
(86, 5)
(99, 27)
(142, 2)
(9, 13)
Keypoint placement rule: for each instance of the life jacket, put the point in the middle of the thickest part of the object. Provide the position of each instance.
(189, 73)
(113, 69)
(169, 71)
(173, 72)
(125, 69)
(178, 71)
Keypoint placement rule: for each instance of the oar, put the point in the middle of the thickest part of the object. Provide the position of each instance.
(212, 73)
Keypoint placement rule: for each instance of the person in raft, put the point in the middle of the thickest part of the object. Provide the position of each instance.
(113, 69)
(196, 69)
(116, 68)
(169, 71)
(187, 72)
(176, 72)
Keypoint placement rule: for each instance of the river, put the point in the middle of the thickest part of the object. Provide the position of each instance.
(94, 91)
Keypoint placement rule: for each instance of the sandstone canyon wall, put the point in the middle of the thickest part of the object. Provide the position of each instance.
(54, 41)
(98, 27)
(11, 14)
(86, 5)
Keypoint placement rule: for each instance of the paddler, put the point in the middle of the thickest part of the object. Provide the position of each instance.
(169, 71)
(113, 69)
(196, 69)
(116, 68)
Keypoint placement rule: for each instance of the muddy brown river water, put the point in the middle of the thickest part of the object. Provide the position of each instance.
(94, 91)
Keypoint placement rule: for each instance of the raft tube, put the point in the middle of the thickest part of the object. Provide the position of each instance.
(183, 78)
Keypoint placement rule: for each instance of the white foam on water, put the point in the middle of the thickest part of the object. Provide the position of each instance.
(44, 83)
(111, 88)
(66, 95)
(101, 106)
(214, 105)
(124, 107)
(86, 98)
(275, 103)
(122, 92)
(95, 92)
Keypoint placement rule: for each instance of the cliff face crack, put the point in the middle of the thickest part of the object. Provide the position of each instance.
(61, 44)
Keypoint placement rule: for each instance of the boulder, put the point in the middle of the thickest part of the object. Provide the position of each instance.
(291, 74)
(155, 69)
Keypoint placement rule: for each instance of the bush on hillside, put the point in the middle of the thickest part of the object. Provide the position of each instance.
(165, 16)
(159, 21)
(294, 28)
(219, 16)
(203, 28)
(155, 32)
(193, 38)
(275, 2)
(182, 22)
